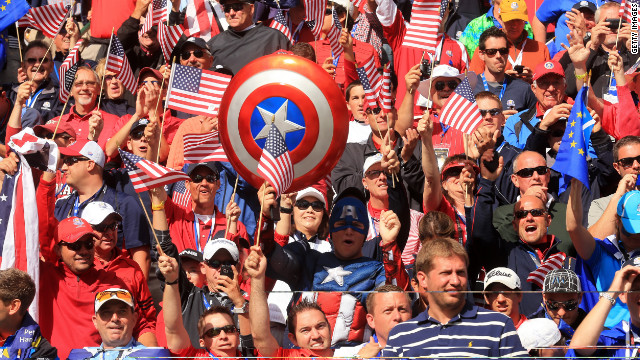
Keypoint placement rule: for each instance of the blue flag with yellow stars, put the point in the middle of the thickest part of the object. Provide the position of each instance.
(11, 11)
(571, 160)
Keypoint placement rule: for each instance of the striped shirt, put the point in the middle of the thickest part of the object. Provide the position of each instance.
(474, 333)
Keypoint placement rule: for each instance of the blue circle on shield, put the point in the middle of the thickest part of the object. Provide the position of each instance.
(284, 114)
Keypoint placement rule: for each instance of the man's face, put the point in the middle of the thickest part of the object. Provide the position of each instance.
(610, 13)
(497, 62)
(589, 19)
(356, 102)
(441, 89)
(491, 122)
(78, 256)
(149, 40)
(192, 55)
(377, 120)
(63, 41)
(514, 28)
(375, 181)
(531, 219)
(86, 87)
(312, 331)
(347, 243)
(106, 235)
(137, 143)
(192, 269)
(113, 86)
(225, 341)
(76, 169)
(503, 299)
(239, 15)
(530, 160)
(31, 63)
(115, 322)
(447, 278)
(558, 306)
(211, 268)
(549, 90)
(308, 218)
(627, 152)
(202, 190)
(390, 309)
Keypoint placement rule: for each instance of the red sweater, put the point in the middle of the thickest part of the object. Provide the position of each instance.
(621, 119)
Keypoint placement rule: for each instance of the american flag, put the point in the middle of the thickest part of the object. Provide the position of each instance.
(196, 91)
(461, 110)
(168, 37)
(68, 70)
(280, 23)
(368, 29)
(314, 12)
(199, 19)
(334, 36)
(49, 18)
(422, 32)
(146, 175)
(118, 64)
(625, 9)
(158, 13)
(275, 164)
(181, 196)
(371, 81)
(553, 262)
(385, 90)
(199, 148)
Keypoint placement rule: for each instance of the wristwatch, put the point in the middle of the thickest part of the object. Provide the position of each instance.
(241, 310)
(286, 210)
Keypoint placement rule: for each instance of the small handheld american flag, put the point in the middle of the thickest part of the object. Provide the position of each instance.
(196, 91)
(275, 164)
(553, 262)
(199, 148)
(314, 12)
(49, 18)
(68, 70)
(422, 32)
(334, 36)
(158, 13)
(146, 175)
(168, 37)
(461, 110)
(280, 23)
(118, 64)
(385, 90)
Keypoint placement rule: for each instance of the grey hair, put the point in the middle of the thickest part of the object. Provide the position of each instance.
(606, 5)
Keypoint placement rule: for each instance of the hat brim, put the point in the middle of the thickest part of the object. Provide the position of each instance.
(65, 151)
(631, 226)
(513, 16)
(425, 86)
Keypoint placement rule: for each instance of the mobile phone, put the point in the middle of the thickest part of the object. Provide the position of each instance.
(226, 270)
(614, 24)
(519, 69)
(425, 69)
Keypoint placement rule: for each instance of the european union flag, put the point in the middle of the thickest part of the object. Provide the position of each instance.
(11, 11)
(571, 160)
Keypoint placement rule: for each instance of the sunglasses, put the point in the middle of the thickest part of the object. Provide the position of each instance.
(104, 227)
(628, 161)
(215, 331)
(528, 172)
(233, 6)
(521, 214)
(304, 205)
(451, 84)
(187, 54)
(71, 160)
(33, 61)
(110, 78)
(76, 246)
(374, 111)
(491, 52)
(211, 178)
(216, 264)
(137, 135)
(566, 305)
(109, 294)
(492, 112)
(375, 173)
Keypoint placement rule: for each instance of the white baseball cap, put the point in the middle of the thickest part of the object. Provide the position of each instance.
(445, 71)
(215, 245)
(504, 276)
(369, 161)
(538, 333)
(113, 294)
(97, 211)
(89, 149)
(311, 191)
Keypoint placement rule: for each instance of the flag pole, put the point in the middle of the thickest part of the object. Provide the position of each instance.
(164, 111)
(105, 67)
(55, 131)
(19, 42)
(233, 196)
(617, 36)
(146, 214)
(257, 240)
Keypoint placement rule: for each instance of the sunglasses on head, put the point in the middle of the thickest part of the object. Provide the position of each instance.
(233, 6)
(33, 61)
(71, 160)
(137, 135)
(211, 178)
(120, 294)
(628, 161)
(187, 54)
(451, 84)
(521, 214)
(492, 112)
(374, 111)
(566, 305)
(303, 204)
(76, 246)
(491, 52)
(106, 227)
(216, 264)
(215, 331)
(528, 172)
(375, 173)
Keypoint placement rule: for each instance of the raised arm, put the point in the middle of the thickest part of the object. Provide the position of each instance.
(582, 240)
(405, 112)
(177, 336)
(432, 195)
(606, 224)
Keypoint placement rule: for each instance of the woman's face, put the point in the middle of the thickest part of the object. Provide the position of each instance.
(307, 220)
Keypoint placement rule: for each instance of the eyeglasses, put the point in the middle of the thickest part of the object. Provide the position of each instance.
(215, 331)
(104, 227)
(628, 161)
(216, 264)
(303, 204)
(492, 112)
(211, 178)
(187, 54)
(521, 214)
(71, 160)
(451, 84)
(374, 111)
(233, 6)
(137, 135)
(80, 84)
(544, 84)
(566, 305)
(528, 172)
(108, 78)
(375, 173)
(76, 246)
(120, 294)
(491, 52)
(33, 61)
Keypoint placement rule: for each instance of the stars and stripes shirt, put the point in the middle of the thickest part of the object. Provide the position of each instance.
(474, 333)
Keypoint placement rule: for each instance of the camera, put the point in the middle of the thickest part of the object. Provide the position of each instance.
(425, 69)
(226, 270)
(519, 69)
(614, 24)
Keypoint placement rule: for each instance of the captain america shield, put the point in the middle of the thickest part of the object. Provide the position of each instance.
(305, 104)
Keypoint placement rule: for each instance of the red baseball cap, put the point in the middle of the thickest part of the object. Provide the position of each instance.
(148, 72)
(72, 229)
(50, 127)
(549, 67)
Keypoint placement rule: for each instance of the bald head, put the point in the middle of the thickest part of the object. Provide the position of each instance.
(530, 170)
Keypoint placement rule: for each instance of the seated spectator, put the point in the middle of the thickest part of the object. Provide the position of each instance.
(538, 334)
(21, 337)
(115, 318)
(502, 292)
(113, 101)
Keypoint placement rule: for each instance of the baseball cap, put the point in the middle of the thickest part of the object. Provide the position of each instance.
(199, 42)
(218, 244)
(538, 333)
(211, 165)
(445, 71)
(113, 294)
(629, 211)
(72, 229)
(310, 191)
(140, 123)
(371, 160)
(88, 149)
(549, 67)
(191, 254)
(50, 127)
(97, 212)
(147, 71)
(504, 276)
(513, 9)
(461, 164)
(561, 281)
(585, 5)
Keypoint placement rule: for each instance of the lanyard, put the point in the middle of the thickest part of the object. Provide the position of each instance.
(630, 336)
(372, 225)
(196, 229)
(519, 57)
(33, 98)
(439, 49)
(486, 85)
(76, 206)
(207, 304)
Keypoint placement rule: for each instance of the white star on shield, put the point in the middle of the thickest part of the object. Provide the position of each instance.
(280, 120)
(336, 274)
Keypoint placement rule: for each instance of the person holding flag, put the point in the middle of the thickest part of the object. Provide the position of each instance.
(142, 50)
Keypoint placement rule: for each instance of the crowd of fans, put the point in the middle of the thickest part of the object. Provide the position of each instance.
(425, 242)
